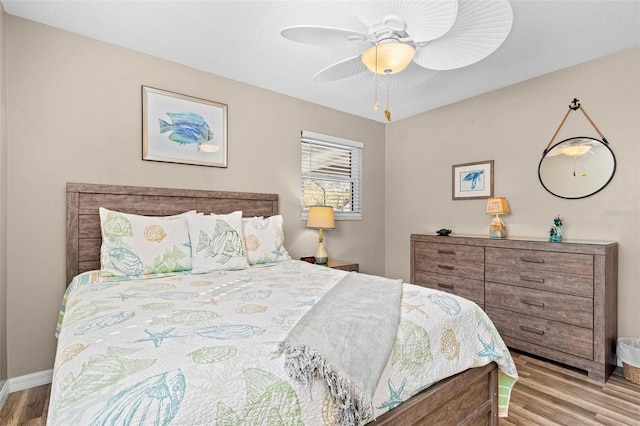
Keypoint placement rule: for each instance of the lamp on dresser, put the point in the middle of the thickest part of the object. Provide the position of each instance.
(321, 217)
(497, 206)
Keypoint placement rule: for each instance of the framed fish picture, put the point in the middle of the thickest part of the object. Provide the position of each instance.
(472, 180)
(183, 129)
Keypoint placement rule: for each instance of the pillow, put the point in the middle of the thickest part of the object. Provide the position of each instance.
(216, 242)
(264, 240)
(133, 245)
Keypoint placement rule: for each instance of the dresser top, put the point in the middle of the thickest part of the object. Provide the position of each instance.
(576, 246)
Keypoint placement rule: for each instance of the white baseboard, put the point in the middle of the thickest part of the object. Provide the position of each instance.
(24, 382)
(29, 381)
(4, 393)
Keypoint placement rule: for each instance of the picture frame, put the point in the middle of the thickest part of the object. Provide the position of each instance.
(472, 181)
(183, 129)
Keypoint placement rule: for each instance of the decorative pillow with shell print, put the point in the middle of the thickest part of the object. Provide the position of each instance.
(264, 240)
(217, 242)
(134, 245)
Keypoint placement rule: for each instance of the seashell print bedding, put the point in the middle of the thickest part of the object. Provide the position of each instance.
(182, 349)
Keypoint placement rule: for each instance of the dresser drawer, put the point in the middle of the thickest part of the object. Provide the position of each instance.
(455, 267)
(465, 287)
(561, 337)
(544, 304)
(449, 252)
(578, 285)
(568, 263)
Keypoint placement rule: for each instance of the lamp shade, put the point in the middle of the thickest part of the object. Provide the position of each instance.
(321, 217)
(388, 58)
(497, 205)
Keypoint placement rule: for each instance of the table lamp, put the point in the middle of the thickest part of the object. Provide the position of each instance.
(497, 206)
(321, 217)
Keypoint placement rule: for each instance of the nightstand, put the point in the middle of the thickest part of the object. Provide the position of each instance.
(343, 265)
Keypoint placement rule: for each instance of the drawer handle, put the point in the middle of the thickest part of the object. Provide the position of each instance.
(531, 260)
(533, 280)
(532, 330)
(443, 285)
(532, 303)
(449, 267)
(446, 252)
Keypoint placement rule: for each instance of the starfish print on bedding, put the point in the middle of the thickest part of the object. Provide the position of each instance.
(394, 395)
(211, 301)
(277, 252)
(489, 349)
(124, 296)
(157, 337)
(409, 307)
(310, 302)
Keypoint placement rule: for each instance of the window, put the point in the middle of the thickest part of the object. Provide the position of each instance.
(331, 174)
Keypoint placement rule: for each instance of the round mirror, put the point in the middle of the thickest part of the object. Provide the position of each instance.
(577, 167)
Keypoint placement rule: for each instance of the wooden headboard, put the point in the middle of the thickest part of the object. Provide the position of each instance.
(84, 237)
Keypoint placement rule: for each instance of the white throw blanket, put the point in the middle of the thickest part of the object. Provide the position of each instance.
(345, 340)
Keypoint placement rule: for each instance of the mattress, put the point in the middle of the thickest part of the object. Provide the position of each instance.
(195, 349)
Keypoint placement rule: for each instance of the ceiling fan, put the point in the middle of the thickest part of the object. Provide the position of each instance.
(409, 42)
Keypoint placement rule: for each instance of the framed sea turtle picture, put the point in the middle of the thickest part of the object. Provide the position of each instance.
(182, 129)
(472, 180)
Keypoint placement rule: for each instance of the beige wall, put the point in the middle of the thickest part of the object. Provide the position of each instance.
(75, 115)
(512, 126)
(3, 205)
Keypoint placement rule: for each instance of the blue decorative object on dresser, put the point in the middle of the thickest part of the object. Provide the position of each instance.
(555, 233)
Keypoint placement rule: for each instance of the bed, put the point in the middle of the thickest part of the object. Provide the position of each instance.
(186, 348)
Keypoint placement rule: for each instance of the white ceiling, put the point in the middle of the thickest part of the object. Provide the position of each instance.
(241, 40)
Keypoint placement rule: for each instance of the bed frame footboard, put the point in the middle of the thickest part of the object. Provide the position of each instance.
(468, 398)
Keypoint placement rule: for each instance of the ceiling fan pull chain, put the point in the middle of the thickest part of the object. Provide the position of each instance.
(375, 91)
(375, 84)
(387, 113)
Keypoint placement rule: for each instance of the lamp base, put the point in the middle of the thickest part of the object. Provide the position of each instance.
(321, 255)
(497, 235)
(497, 229)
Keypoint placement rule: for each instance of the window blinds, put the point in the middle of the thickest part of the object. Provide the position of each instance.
(331, 174)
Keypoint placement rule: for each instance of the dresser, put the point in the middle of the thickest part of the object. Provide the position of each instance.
(554, 300)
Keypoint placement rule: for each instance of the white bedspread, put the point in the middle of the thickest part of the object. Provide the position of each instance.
(203, 349)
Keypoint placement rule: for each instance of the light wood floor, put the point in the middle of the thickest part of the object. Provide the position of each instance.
(27, 407)
(546, 394)
(549, 394)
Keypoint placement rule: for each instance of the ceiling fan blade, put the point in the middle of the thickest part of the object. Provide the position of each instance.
(343, 69)
(413, 75)
(425, 20)
(324, 36)
(479, 30)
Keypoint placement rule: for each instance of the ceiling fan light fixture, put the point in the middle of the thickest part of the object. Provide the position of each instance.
(388, 58)
(575, 150)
